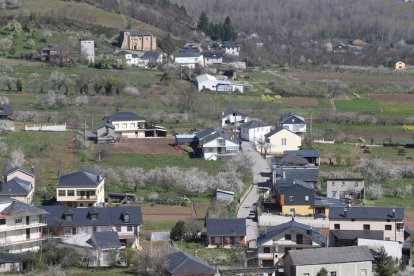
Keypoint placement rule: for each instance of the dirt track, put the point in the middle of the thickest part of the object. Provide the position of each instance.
(147, 146)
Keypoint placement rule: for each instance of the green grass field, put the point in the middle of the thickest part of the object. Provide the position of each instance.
(358, 106)
(407, 202)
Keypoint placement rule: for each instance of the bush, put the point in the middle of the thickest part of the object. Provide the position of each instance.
(178, 231)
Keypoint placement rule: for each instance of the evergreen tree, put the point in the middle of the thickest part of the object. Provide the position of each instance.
(228, 33)
(178, 231)
(203, 22)
(385, 265)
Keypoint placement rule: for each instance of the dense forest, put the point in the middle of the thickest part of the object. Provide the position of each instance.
(294, 26)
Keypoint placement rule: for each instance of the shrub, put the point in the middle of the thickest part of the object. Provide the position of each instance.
(408, 128)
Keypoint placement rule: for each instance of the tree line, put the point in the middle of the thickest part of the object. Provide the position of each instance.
(224, 31)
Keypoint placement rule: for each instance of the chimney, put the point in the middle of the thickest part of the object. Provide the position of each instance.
(32, 170)
(345, 211)
(284, 175)
(393, 213)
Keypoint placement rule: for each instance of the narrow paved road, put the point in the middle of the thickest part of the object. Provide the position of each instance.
(261, 170)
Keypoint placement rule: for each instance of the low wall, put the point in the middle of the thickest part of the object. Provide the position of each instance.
(45, 128)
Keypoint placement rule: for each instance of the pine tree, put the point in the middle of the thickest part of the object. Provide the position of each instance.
(203, 23)
(385, 265)
(178, 231)
(228, 33)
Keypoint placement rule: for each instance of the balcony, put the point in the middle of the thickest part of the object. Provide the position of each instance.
(6, 228)
(86, 198)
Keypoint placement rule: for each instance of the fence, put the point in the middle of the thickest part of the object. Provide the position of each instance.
(45, 128)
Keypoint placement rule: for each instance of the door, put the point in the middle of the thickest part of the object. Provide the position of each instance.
(28, 234)
(27, 220)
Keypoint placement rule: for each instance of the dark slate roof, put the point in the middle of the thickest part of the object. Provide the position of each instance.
(331, 255)
(229, 44)
(188, 54)
(292, 225)
(276, 130)
(288, 183)
(305, 153)
(296, 118)
(124, 116)
(218, 135)
(307, 174)
(151, 55)
(17, 208)
(226, 227)
(289, 160)
(328, 202)
(229, 111)
(212, 54)
(106, 125)
(369, 213)
(355, 234)
(81, 216)
(15, 257)
(204, 133)
(15, 187)
(48, 47)
(341, 175)
(5, 110)
(180, 263)
(105, 240)
(254, 124)
(83, 178)
(18, 168)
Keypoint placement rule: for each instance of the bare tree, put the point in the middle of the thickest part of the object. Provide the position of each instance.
(135, 177)
(17, 157)
(58, 80)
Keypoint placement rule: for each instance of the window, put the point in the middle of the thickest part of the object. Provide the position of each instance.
(94, 228)
(71, 192)
(367, 227)
(333, 273)
(290, 198)
(283, 141)
(116, 126)
(306, 198)
(337, 226)
(68, 217)
(129, 228)
(62, 192)
(73, 230)
(288, 237)
(124, 125)
(126, 218)
(2, 221)
(118, 228)
(132, 125)
(299, 239)
(343, 183)
(356, 184)
(18, 220)
(388, 227)
(266, 249)
(400, 226)
(94, 217)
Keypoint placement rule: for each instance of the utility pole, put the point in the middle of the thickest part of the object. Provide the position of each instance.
(84, 128)
(311, 123)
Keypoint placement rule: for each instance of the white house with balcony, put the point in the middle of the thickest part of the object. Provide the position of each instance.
(254, 131)
(20, 226)
(293, 122)
(189, 57)
(81, 189)
(215, 145)
(125, 220)
(276, 241)
(230, 116)
(132, 125)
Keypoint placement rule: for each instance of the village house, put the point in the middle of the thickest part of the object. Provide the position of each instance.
(231, 48)
(280, 140)
(190, 58)
(184, 264)
(140, 59)
(254, 131)
(218, 146)
(313, 156)
(293, 122)
(6, 112)
(211, 58)
(57, 54)
(16, 262)
(193, 45)
(230, 116)
(124, 220)
(347, 224)
(226, 232)
(137, 40)
(20, 226)
(96, 249)
(105, 133)
(345, 185)
(131, 125)
(339, 261)
(82, 188)
(211, 83)
(276, 241)
(18, 183)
